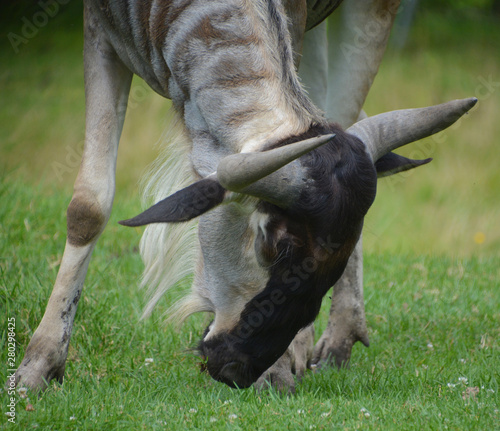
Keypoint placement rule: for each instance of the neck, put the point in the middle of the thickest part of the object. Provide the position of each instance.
(232, 75)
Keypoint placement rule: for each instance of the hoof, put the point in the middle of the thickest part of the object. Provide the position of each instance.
(36, 375)
(335, 351)
(280, 379)
(42, 363)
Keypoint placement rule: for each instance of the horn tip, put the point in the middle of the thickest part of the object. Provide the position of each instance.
(129, 223)
(328, 137)
(470, 102)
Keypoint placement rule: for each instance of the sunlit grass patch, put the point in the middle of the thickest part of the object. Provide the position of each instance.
(432, 363)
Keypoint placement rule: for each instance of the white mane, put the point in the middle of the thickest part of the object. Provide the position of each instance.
(169, 250)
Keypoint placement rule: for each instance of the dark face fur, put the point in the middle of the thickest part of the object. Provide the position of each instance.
(307, 247)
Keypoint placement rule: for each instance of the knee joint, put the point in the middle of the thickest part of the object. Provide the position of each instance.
(85, 220)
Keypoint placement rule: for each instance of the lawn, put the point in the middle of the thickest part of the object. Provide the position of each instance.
(432, 261)
(432, 364)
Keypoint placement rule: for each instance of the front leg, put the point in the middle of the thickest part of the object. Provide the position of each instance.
(346, 323)
(357, 38)
(107, 84)
(339, 63)
(293, 364)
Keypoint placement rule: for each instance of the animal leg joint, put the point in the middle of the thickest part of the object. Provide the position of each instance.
(85, 219)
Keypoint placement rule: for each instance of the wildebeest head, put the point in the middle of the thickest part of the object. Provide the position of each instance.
(277, 229)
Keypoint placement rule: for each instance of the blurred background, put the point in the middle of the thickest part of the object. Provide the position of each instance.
(439, 50)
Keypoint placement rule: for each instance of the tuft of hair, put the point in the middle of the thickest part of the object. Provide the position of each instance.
(168, 250)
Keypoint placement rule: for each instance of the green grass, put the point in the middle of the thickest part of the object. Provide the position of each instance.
(429, 279)
(402, 382)
(442, 208)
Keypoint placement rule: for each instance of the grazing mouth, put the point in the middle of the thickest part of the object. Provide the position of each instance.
(236, 375)
(227, 365)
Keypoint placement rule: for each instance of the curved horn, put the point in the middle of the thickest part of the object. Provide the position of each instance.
(386, 132)
(238, 171)
(274, 175)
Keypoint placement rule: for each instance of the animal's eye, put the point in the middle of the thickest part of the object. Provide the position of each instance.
(294, 241)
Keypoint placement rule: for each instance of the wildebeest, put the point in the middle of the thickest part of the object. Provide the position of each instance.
(280, 189)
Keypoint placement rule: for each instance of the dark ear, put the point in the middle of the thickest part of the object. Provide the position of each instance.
(393, 163)
(184, 205)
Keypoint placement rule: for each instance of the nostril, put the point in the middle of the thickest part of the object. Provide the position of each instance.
(236, 374)
(226, 363)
